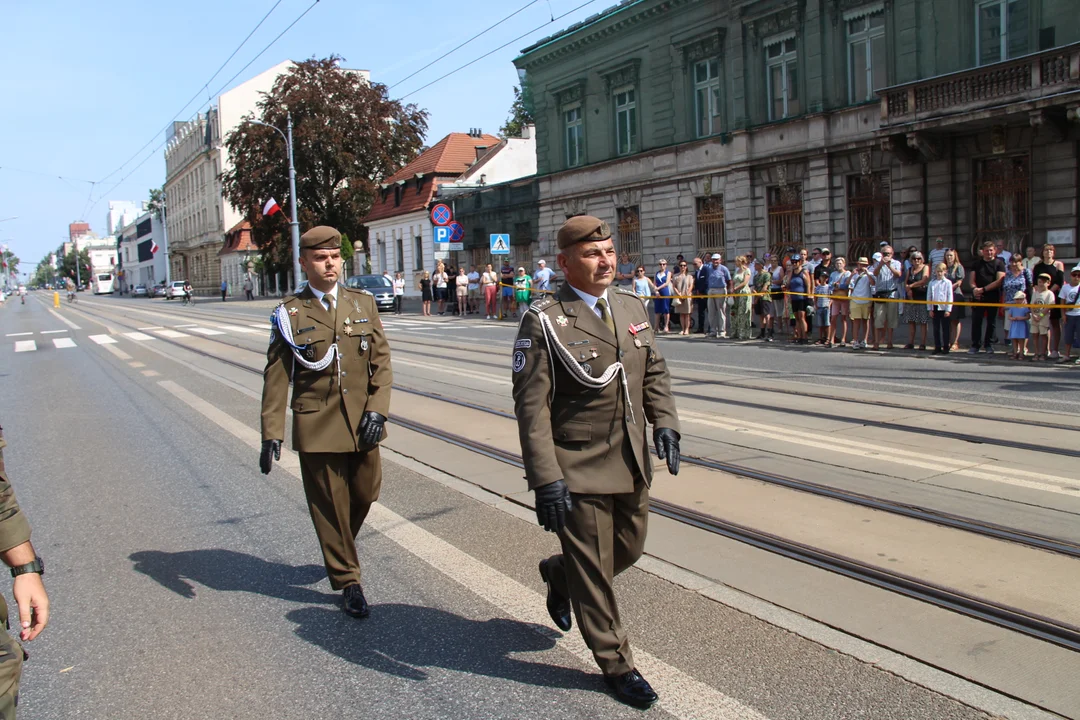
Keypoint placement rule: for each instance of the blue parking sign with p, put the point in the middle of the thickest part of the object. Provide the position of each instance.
(500, 244)
(442, 234)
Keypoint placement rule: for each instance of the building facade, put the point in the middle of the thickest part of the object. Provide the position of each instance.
(137, 263)
(237, 258)
(701, 125)
(195, 156)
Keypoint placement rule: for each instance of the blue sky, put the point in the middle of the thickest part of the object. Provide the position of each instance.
(86, 84)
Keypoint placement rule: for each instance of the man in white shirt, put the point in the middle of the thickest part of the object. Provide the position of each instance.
(887, 272)
(474, 290)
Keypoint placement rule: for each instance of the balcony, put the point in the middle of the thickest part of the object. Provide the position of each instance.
(1029, 83)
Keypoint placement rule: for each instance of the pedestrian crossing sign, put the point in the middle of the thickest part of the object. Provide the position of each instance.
(500, 244)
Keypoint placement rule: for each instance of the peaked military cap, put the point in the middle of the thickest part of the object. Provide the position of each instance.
(320, 237)
(582, 228)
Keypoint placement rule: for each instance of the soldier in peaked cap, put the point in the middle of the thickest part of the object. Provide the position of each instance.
(329, 342)
(588, 378)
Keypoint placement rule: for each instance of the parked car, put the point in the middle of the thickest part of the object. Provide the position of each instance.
(176, 290)
(377, 285)
(140, 291)
(158, 290)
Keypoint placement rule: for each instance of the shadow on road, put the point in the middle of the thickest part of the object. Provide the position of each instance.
(402, 640)
(231, 571)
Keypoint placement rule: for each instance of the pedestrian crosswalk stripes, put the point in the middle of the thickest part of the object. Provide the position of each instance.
(173, 334)
(61, 343)
(25, 346)
(22, 334)
(103, 339)
(206, 331)
(137, 336)
(244, 330)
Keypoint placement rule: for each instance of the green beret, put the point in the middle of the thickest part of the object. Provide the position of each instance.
(320, 237)
(582, 228)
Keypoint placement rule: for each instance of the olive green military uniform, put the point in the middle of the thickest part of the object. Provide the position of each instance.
(593, 438)
(14, 531)
(341, 476)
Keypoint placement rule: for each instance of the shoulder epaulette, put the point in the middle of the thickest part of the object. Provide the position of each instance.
(541, 303)
(624, 290)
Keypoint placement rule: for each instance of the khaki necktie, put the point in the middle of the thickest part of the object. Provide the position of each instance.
(605, 315)
(329, 302)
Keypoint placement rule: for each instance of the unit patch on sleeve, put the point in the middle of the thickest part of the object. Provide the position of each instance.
(519, 361)
(524, 344)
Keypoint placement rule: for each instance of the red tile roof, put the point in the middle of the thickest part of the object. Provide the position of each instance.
(443, 162)
(238, 239)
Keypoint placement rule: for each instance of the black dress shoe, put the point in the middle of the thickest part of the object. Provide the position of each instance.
(632, 689)
(558, 606)
(355, 603)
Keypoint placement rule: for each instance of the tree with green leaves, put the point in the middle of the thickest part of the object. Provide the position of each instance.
(44, 272)
(347, 135)
(520, 116)
(346, 250)
(156, 205)
(67, 265)
(9, 262)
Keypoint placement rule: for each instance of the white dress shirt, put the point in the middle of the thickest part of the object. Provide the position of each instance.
(319, 295)
(591, 300)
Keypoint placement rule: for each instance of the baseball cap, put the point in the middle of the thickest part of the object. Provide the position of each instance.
(1019, 294)
(521, 269)
(939, 240)
(826, 251)
(715, 256)
(877, 257)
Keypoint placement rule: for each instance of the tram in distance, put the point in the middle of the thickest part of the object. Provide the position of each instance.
(103, 283)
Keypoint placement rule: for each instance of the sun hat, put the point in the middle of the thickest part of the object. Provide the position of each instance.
(1019, 294)
(715, 256)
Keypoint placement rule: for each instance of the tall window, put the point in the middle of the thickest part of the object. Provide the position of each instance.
(1001, 30)
(418, 253)
(707, 97)
(785, 219)
(575, 136)
(625, 121)
(1003, 201)
(630, 233)
(783, 79)
(868, 213)
(866, 56)
(400, 254)
(710, 225)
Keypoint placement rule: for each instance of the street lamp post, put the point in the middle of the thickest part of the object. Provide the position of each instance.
(294, 224)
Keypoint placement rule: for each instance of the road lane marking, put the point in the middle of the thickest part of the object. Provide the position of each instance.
(53, 332)
(172, 334)
(61, 343)
(137, 336)
(117, 352)
(189, 325)
(260, 326)
(103, 339)
(245, 330)
(25, 346)
(137, 364)
(150, 373)
(680, 694)
(205, 331)
(449, 371)
(940, 465)
(64, 320)
(152, 327)
(18, 334)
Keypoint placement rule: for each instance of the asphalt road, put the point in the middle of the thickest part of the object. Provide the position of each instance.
(187, 585)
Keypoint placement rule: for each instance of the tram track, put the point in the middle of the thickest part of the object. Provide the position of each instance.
(1031, 624)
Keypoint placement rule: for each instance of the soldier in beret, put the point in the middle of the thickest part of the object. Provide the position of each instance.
(588, 378)
(329, 342)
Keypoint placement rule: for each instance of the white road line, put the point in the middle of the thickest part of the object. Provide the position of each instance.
(61, 343)
(206, 331)
(189, 325)
(681, 695)
(18, 334)
(25, 346)
(972, 469)
(138, 336)
(117, 352)
(172, 334)
(64, 320)
(150, 373)
(53, 332)
(261, 326)
(103, 339)
(245, 330)
(152, 327)
(136, 364)
(450, 371)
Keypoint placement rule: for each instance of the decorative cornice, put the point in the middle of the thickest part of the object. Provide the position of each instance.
(839, 7)
(625, 73)
(764, 26)
(569, 93)
(706, 45)
(559, 46)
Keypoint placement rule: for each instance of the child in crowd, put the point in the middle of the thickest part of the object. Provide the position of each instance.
(522, 291)
(822, 302)
(939, 298)
(1070, 295)
(1040, 317)
(1017, 319)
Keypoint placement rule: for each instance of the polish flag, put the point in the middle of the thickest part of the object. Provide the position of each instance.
(153, 246)
(271, 207)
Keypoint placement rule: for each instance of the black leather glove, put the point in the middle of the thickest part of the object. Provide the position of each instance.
(666, 442)
(270, 449)
(371, 428)
(552, 504)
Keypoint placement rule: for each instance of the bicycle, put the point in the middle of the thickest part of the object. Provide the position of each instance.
(189, 299)
(72, 297)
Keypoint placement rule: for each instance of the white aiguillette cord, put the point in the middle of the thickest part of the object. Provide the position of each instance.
(575, 369)
(280, 320)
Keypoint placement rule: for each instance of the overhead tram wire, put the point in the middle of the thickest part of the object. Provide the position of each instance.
(218, 92)
(195, 96)
(492, 52)
(458, 47)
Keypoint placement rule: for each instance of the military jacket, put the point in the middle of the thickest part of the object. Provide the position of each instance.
(327, 407)
(14, 527)
(590, 437)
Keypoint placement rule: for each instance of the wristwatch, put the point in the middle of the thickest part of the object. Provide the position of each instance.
(38, 566)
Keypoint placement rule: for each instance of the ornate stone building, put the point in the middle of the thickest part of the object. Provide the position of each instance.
(701, 125)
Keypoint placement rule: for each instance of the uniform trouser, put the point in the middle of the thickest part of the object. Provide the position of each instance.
(11, 658)
(340, 488)
(717, 313)
(604, 535)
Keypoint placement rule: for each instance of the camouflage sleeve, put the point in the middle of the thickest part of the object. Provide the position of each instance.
(14, 527)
